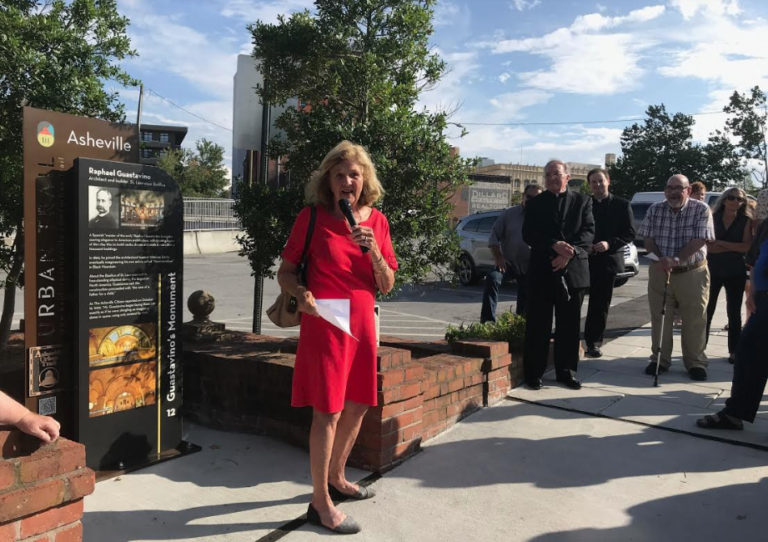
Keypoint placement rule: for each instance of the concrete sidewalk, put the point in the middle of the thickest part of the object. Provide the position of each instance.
(516, 471)
(616, 386)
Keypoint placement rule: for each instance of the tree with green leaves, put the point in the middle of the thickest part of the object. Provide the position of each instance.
(361, 67)
(199, 174)
(749, 116)
(663, 146)
(54, 55)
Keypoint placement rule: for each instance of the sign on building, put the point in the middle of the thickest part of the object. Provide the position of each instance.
(488, 196)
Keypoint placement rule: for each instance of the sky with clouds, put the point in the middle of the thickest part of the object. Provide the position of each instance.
(516, 67)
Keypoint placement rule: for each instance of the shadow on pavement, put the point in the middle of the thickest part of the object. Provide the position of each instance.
(187, 523)
(570, 461)
(734, 512)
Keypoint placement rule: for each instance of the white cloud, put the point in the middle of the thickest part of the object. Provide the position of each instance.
(507, 144)
(601, 8)
(504, 77)
(522, 5)
(724, 54)
(450, 91)
(611, 59)
(689, 8)
(266, 11)
(163, 44)
(508, 106)
(446, 13)
(595, 21)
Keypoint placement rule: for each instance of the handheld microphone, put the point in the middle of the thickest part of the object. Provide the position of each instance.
(346, 210)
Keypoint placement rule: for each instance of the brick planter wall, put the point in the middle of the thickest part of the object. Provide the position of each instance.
(42, 489)
(423, 389)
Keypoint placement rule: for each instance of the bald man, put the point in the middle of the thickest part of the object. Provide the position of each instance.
(676, 231)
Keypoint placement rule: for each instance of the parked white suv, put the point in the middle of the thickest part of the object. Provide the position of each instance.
(476, 259)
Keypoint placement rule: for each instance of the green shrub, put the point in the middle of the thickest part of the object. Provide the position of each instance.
(509, 328)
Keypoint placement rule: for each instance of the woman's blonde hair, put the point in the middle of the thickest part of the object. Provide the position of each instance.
(318, 190)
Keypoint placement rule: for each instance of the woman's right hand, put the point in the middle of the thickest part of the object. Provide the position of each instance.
(306, 302)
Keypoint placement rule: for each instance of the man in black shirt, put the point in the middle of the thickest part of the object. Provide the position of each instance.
(559, 228)
(614, 229)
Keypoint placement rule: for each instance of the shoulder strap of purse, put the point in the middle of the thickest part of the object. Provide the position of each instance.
(310, 231)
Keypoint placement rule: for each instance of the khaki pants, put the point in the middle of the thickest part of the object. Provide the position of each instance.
(688, 291)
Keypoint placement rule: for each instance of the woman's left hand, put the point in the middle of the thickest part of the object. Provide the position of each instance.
(363, 236)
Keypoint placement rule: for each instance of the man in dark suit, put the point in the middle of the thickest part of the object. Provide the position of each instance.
(104, 218)
(614, 229)
(559, 228)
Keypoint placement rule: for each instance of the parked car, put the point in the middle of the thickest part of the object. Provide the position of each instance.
(476, 259)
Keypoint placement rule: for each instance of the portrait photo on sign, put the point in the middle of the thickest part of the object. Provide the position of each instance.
(124, 387)
(141, 208)
(122, 344)
(103, 207)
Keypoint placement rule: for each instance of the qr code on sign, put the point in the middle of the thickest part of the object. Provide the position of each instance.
(47, 406)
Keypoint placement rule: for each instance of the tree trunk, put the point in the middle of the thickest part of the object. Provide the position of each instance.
(11, 283)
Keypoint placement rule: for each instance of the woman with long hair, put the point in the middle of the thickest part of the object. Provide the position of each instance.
(725, 257)
(335, 373)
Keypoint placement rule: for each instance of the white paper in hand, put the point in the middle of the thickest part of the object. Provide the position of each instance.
(336, 312)
(652, 256)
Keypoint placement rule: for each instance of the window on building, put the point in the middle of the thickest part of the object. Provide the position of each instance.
(517, 183)
(146, 136)
(165, 137)
(146, 153)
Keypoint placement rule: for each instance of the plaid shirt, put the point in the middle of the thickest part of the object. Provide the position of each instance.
(761, 213)
(672, 232)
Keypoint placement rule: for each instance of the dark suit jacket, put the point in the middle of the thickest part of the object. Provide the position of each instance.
(541, 230)
(615, 224)
(106, 221)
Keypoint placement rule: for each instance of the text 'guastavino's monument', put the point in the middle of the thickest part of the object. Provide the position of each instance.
(103, 289)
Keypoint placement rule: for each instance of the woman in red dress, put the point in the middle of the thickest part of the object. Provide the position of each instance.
(335, 373)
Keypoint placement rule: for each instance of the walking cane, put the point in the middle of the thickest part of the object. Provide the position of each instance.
(661, 332)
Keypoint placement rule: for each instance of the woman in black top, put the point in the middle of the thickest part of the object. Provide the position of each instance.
(725, 256)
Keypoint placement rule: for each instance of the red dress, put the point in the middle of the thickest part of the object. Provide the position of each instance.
(332, 367)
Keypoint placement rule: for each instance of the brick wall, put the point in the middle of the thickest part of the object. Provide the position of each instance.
(42, 489)
(423, 389)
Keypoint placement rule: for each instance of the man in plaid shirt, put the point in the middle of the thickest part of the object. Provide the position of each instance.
(676, 231)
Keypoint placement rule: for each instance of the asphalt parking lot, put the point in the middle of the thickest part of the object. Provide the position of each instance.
(421, 312)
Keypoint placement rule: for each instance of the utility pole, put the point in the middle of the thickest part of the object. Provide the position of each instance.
(258, 287)
(138, 113)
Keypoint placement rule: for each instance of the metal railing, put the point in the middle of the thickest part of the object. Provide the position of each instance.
(209, 214)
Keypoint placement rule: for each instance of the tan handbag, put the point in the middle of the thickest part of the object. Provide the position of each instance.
(284, 312)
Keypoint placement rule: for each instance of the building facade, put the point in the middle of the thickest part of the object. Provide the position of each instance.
(157, 140)
(247, 113)
(523, 175)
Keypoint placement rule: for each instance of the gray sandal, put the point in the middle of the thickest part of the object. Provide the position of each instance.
(362, 493)
(348, 526)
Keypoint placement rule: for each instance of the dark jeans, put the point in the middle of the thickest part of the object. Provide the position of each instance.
(734, 295)
(600, 295)
(751, 370)
(491, 293)
(538, 330)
